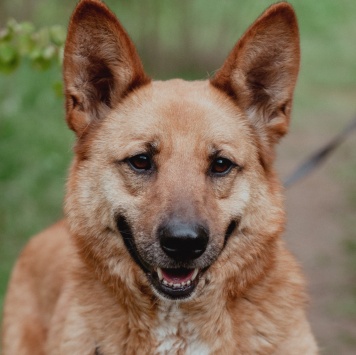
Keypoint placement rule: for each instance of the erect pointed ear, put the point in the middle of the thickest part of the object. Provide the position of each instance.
(101, 64)
(261, 71)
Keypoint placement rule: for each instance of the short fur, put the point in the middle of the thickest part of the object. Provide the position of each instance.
(86, 285)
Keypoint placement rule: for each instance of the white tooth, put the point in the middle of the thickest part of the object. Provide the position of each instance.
(183, 284)
(159, 273)
(195, 273)
(188, 283)
(165, 282)
(171, 284)
(176, 285)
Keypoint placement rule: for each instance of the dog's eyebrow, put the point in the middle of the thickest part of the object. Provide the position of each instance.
(214, 152)
(215, 149)
(152, 147)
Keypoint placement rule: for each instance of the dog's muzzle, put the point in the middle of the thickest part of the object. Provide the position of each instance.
(182, 243)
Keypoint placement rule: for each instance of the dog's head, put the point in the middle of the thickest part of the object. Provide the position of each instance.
(172, 185)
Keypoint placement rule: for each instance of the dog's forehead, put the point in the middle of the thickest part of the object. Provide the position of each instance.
(177, 107)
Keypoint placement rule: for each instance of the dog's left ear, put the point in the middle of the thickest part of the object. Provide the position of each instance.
(100, 66)
(261, 71)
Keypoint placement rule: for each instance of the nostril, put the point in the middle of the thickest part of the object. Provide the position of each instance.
(182, 241)
(177, 243)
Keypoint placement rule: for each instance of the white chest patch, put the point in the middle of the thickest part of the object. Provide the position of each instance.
(175, 333)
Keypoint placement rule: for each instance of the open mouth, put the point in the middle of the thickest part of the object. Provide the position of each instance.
(176, 283)
(173, 283)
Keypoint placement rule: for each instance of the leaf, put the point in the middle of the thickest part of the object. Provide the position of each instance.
(57, 35)
(49, 52)
(5, 35)
(9, 58)
(27, 27)
(58, 88)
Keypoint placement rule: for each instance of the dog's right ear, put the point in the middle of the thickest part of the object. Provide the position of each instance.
(100, 67)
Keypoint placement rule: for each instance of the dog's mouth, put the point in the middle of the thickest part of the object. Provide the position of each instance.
(175, 283)
(172, 283)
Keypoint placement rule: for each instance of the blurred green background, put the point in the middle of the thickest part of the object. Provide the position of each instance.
(190, 39)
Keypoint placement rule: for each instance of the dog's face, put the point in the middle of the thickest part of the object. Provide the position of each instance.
(175, 174)
(172, 181)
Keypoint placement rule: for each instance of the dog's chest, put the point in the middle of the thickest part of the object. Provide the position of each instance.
(176, 334)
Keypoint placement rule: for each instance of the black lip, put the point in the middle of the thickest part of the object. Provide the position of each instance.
(230, 229)
(126, 233)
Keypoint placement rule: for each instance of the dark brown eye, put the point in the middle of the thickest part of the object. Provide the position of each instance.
(140, 162)
(221, 166)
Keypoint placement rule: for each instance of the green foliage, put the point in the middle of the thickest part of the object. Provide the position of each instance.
(42, 47)
(35, 150)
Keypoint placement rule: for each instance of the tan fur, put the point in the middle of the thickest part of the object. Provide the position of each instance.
(77, 290)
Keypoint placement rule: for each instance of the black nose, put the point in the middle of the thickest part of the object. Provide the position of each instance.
(183, 241)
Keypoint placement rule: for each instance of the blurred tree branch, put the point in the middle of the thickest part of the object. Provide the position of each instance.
(21, 41)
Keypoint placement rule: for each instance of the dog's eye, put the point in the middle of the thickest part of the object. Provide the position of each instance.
(221, 166)
(140, 162)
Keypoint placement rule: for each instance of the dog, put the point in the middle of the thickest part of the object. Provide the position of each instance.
(171, 242)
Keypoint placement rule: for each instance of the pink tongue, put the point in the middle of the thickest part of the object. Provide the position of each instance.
(177, 275)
